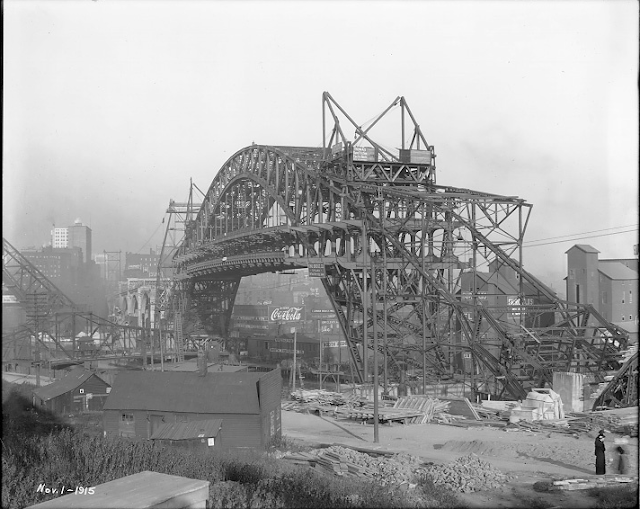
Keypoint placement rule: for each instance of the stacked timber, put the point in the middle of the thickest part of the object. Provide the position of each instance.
(429, 408)
(385, 468)
(385, 414)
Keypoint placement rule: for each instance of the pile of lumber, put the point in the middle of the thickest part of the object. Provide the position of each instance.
(319, 396)
(594, 482)
(429, 407)
(327, 398)
(385, 469)
(385, 414)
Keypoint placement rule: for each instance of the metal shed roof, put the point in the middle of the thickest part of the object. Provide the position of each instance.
(584, 247)
(617, 271)
(185, 392)
(188, 430)
(71, 381)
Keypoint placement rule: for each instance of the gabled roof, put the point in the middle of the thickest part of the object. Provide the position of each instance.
(584, 247)
(186, 392)
(71, 381)
(616, 270)
(188, 430)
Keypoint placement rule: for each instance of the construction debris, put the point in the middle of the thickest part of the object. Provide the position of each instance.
(386, 470)
(468, 473)
(430, 408)
(583, 484)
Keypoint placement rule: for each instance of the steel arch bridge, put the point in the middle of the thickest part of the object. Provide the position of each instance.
(394, 247)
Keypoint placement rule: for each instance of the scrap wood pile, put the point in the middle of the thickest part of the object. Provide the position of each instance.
(468, 473)
(430, 408)
(578, 422)
(389, 469)
(583, 484)
(385, 414)
(325, 398)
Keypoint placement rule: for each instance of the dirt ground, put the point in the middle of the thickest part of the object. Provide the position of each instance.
(529, 456)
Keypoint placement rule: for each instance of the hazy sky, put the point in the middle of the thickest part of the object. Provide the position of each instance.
(111, 106)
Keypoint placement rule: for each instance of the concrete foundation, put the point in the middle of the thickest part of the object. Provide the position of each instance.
(570, 388)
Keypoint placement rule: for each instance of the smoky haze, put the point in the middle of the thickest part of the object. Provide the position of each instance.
(111, 107)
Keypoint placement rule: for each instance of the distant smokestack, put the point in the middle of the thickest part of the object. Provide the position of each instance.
(202, 363)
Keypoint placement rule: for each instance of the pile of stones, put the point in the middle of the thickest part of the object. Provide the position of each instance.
(468, 473)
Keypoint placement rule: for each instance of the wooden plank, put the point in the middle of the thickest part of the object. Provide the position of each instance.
(462, 406)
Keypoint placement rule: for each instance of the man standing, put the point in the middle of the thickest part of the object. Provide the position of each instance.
(601, 468)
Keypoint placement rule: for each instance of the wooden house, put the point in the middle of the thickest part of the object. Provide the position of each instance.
(142, 402)
(80, 390)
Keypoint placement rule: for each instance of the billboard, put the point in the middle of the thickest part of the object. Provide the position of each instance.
(286, 314)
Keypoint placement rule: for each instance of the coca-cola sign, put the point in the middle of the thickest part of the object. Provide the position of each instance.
(286, 314)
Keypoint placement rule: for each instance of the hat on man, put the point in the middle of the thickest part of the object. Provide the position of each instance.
(601, 432)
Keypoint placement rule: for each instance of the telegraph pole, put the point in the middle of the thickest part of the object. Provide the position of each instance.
(365, 334)
(295, 344)
(374, 305)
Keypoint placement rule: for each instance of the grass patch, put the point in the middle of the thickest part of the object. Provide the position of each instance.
(39, 447)
(616, 497)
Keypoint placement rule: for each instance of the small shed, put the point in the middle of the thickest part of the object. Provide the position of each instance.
(80, 390)
(142, 403)
(198, 436)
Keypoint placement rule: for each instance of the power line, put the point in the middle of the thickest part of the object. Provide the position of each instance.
(581, 233)
(581, 238)
(149, 239)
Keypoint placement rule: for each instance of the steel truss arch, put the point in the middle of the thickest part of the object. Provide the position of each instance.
(402, 255)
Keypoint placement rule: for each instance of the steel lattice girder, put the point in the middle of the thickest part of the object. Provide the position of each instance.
(61, 314)
(411, 230)
(275, 208)
(622, 390)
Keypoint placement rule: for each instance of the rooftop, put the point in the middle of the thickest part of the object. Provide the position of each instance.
(74, 379)
(584, 247)
(186, 392)
(616, 270)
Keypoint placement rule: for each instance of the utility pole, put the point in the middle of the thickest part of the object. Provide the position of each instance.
(365, 334)
(320, 363)
(374, 305)
(295, 344)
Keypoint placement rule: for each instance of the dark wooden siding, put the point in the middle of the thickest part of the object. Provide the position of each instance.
(76, 400)
(269, 392)
(239, 430)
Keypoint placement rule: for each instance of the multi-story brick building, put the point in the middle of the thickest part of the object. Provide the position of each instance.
(75, 236)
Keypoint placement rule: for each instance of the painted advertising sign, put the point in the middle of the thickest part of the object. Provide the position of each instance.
(286, 314)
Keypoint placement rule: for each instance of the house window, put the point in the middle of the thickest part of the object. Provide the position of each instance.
(266, 345)
(126, 427)
(630, 297)
(623, 318)
(578, 294)
(82, 390)
(623, 296)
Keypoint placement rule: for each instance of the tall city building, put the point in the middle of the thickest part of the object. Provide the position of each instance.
(76, 235)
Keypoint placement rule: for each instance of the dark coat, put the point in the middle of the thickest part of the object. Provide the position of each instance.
(601, 468)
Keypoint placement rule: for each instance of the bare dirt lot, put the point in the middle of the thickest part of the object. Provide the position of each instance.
(529, 456)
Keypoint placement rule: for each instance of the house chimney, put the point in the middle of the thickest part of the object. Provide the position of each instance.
(202, 363)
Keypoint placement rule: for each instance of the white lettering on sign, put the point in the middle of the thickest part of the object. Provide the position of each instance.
(286, 314)
(285, 350)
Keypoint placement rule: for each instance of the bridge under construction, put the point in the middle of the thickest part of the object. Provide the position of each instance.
(421, 275)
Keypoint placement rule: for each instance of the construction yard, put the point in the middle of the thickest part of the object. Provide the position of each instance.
(487, 464)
